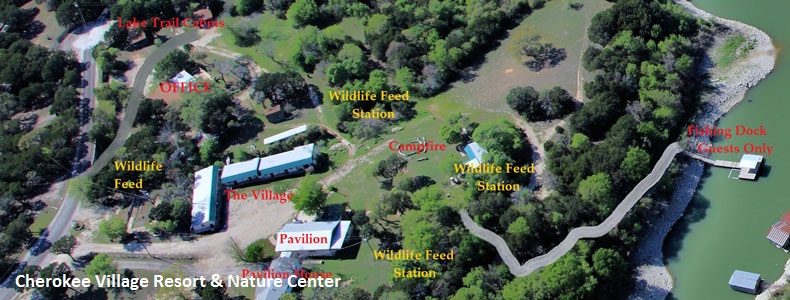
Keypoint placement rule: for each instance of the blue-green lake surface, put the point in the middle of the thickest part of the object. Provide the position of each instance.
(725, 226)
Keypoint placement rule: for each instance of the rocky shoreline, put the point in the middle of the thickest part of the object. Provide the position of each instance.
(652, 279)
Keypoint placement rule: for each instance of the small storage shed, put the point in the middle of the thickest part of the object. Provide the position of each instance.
(745, 282)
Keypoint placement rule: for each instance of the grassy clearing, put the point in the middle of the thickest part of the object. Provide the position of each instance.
(503, 68)
(361, 189)
(362, 271)
(353, 27)
(43, 218)
(733, 49)
(276, 38)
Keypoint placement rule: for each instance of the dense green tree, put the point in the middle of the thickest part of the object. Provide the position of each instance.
(151, 112)
(482, 284)
(114, 228)
(557, 102)
(161, 212)
(16, 234)
(597, 190)
(412, 184)
(453, 130)
(310, 196)
(54, 270)
(248, 7)
(67, 14)
(244, 35)
(389, 167)
(284, 88)
(115, 92)
(548, 104)
(502, 136)
(636, 164)
(303, 12)
(117, 36)
(394, 202)
(429, 199)
(524, 100)
(211, 113)
(103, 131)
(101, 264)
(65, 98)
(174, 62)
(256, 252)
(209, 150)
(419, 232)
(570, 277)
(64, 245)
(182, 215)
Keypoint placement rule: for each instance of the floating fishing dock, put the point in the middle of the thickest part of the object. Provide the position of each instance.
(747, 167)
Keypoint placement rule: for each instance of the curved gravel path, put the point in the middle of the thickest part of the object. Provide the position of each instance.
(577, 233)
(130, 113)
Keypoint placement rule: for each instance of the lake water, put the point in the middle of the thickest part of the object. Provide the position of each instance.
(725, 226)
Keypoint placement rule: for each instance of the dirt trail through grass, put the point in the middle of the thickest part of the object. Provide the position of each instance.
(349, 166)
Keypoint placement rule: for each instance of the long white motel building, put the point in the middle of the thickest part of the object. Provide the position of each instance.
(297, 161)
(204, 200)
(208, 181)
(301, 240)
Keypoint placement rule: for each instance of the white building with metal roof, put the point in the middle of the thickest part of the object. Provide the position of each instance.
(313, 238)
(240, 172)
(284, 135)
(749, 165)
(475, 153)
(745, 282)
(299, 160)
(183, 77)
(204, 200)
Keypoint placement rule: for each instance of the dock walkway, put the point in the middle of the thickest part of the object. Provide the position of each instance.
(717, 163)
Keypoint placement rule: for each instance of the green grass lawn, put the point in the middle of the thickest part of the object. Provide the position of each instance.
(42, 219)
(352, 27)
(362, 271)
(361, 189)
(276, 36)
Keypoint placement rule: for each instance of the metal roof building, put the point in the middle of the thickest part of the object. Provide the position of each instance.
(475, 154)
(284, 135)
(182, 77)
(279, 265)
(204, 199)
(745, 282)
(318, 238)
(240, 171)
(299, 158)
(749, 165)
(779, 234)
